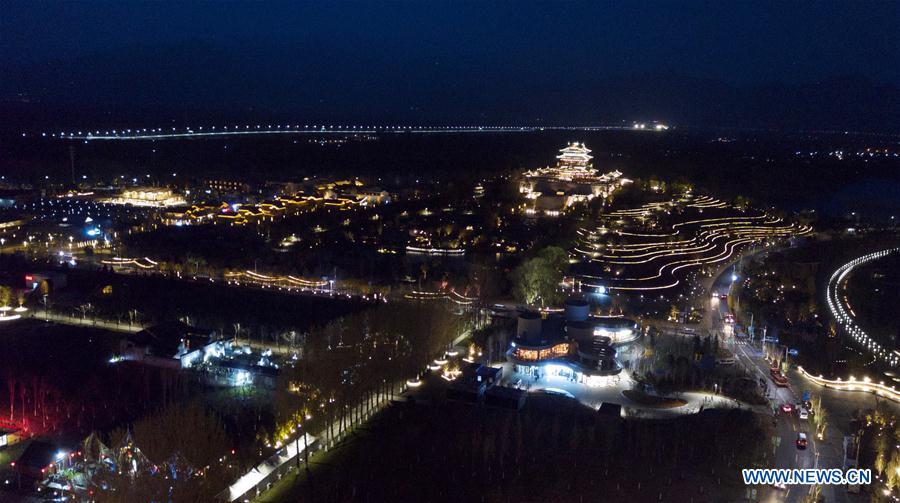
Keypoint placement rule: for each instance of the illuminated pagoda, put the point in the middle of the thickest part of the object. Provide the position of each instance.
(574, 162)
(573, 179)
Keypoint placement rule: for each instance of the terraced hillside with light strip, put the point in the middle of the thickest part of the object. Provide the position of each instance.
(650, 247)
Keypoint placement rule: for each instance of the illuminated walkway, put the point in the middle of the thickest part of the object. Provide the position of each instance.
(611, 392)
(864, 385)
(839, 306)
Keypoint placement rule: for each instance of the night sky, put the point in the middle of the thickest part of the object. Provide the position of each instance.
(694, 63)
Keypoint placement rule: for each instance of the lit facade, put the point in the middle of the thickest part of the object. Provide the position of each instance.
(159, 197)
(553, 189)
(228, 186)
(573, 346)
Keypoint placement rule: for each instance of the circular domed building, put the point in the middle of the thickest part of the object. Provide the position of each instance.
(572, 345)
(619, 330)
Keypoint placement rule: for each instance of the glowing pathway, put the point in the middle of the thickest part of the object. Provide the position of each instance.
(251, 480)
(840, 310)
(852, 384)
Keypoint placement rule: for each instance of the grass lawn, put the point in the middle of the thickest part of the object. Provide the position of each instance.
(653, 401)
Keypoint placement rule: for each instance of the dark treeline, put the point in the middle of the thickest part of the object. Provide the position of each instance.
(251, 312)
(64, 383)
(358, 361)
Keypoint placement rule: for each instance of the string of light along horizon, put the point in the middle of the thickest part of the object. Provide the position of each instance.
(259, 129)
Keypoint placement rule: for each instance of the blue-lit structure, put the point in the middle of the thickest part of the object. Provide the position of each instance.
(572, 344)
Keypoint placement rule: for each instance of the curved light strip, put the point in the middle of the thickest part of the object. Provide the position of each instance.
(836, 304)
(851, 384)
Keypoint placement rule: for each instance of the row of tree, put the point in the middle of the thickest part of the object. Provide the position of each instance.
(357, 361)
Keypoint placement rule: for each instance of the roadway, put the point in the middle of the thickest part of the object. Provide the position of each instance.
(840, 406)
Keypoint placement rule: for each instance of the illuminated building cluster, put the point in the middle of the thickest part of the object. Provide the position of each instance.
(339, 195)
(553, 189)
(570, 345)
(159, 197)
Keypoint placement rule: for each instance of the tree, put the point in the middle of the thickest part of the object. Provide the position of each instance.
(197, 261)
(538, 278)
(814, 496)
(742, 202)
(893, 471)
(556, 258)
(44, 288)
(185, 441)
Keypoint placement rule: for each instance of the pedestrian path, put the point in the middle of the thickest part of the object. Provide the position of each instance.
(264, 476)
(87, 322)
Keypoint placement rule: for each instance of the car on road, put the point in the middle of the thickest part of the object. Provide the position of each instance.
(801, 440)
(804, 415)
(787, 408)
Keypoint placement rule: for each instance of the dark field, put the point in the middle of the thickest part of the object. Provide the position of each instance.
(874, 294)
(550, 451)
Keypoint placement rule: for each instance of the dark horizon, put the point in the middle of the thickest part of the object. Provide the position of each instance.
(793, 67)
